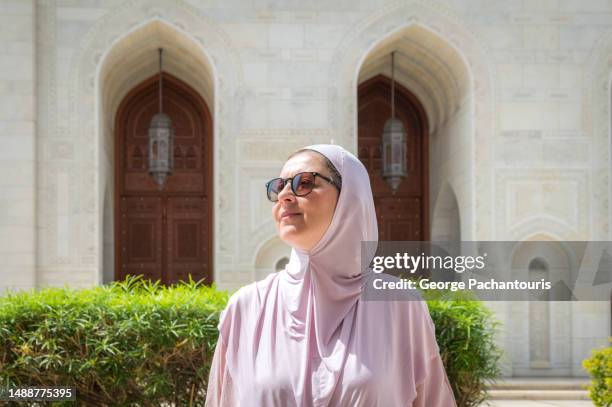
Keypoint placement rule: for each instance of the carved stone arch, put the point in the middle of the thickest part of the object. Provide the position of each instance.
(545, 227)
(557, 254)
(212, 45)
(564, 255)
(371, 32)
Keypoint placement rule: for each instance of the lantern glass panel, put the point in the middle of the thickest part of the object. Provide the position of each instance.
(160, 148)
(394, 157)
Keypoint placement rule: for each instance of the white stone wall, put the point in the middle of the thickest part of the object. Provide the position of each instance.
(18, 127)
(517, 94)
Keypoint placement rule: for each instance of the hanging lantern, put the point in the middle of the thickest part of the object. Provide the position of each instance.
(393, 143)
(161, 140)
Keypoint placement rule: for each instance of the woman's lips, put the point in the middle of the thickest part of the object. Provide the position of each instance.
(290, 215)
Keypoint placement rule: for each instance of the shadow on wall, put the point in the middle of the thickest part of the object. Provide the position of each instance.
(446, 220)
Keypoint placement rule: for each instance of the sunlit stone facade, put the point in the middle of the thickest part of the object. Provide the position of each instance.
(517, 97)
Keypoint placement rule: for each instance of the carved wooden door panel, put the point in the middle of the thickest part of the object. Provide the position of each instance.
(405, 214)
(187, 231)
(167, 234)
(141, 236)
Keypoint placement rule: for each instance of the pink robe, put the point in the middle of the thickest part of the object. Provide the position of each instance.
(304, 337)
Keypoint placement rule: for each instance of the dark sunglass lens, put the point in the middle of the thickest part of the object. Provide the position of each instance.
(303, 183)
(274, 188)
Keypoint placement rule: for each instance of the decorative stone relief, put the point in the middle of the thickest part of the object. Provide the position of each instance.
(49, 150)
(61, 231)
(532, 201)
(277, 144)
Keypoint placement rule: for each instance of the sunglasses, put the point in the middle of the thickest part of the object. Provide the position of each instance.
(301, 184)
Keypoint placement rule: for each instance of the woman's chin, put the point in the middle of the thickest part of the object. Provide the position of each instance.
(291, 235)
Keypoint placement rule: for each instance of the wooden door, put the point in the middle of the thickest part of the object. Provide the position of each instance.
(167, 234)
(405, 214)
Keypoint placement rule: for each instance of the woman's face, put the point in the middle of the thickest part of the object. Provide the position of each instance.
(301, 221)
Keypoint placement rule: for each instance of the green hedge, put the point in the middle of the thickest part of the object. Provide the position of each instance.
(141, 344)
(599, 366)
(130, 343)
(465, 331)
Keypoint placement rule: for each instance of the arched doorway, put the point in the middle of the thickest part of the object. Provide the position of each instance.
(405, 214)
(164, 235)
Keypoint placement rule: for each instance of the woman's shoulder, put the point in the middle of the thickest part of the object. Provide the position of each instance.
(249, 297)
(239, 314)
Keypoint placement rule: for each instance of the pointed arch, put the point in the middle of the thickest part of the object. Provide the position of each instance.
(437, 24)
(457, 93)
(98, 80)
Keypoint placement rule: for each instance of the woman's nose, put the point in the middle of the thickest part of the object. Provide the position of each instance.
(286, 193)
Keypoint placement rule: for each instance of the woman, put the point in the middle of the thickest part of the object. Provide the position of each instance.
(303, 337)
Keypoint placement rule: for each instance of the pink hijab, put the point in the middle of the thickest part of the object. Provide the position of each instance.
(303, 337)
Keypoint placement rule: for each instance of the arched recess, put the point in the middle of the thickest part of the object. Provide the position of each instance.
(271, 255)
(129, 87)
(446, 219)
(540, 340)
(433, 85)
(198, 52)
(539, 319)
(446, 68)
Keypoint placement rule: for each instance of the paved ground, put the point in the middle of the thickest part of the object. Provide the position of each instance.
(538, 403)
